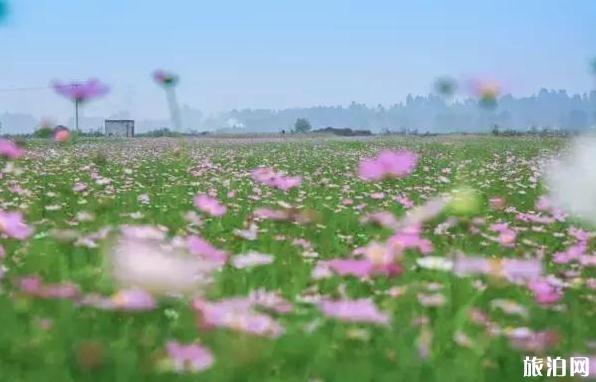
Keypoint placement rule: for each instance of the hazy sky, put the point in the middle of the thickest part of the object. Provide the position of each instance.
(282, 53)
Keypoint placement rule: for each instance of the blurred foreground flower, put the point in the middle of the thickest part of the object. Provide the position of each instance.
(487, 93)
(275, 179)
(61, 135)
(168, 82)
(80, 92)
(192, 357)
(388, 164)
(209, 205)
(361, 310)
(12, 225)
(572, 180)
(10, 150)
(445, 86)
(237, 313)
(141, 259)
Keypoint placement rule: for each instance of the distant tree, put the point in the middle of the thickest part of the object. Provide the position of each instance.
(302, 125)
(495, 130)
(43, 132)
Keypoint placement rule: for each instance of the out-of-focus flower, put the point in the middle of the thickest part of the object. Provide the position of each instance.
(464, 201)
(81, 91)
(189, 358)
(435, 263)
(360, 310)
(10, 150)
(3, 10)
(445, 86)
(514, 270)
(251, 259)
(133, 300)
(13, 225)
(487, 93)
(529, 340)
(409, 238)
(497, 203)
(209, 205)
(34, 286)
(157, 266)
(202, 248)
(572, 180)
(545, 293)
(388, 164)
(164, 78)
(273, 178)
(61, 135)
(507, 236)
(237, 314)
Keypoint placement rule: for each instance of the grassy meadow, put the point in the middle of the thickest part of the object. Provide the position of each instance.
(62, 317)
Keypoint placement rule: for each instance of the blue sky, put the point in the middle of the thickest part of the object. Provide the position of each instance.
(277, 54)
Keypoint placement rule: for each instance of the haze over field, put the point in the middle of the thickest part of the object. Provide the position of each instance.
(270, 56)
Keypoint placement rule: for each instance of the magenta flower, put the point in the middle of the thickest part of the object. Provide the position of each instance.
(513, 270)
(545, 293)
(202, 248)
(10, 150)
(164, 78)
(237, 314)
(133, 300)
(361, 310)
(209, 205)
(34, 286)
(388, 164)
(81, 91)
(12, 224)
(251, 259)
(275, 179)
(192, 357)
(410, 239)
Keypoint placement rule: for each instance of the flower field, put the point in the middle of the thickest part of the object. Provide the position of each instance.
(298, 259)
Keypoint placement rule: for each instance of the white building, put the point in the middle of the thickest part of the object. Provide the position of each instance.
(120, 128)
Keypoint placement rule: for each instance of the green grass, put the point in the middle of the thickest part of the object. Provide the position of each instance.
(130, 346)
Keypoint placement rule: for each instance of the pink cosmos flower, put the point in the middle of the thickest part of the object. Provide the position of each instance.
(275, 179)
(388, 164)
(192, 357)
(497, 203)
(10, 150)
(237, 314)
(507, 236)
(81, 91)
(209, 205)
(545, 293)
(251, 259)
(514, 270)
(61, 135)
(529, 340)
(12, 225)
(34, 286)
(202, 248)
(404, 201)
(409, 238)
(133, 300)
(360, 310)
(164, 78)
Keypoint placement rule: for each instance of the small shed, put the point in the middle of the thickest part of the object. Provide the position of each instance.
(124, 128)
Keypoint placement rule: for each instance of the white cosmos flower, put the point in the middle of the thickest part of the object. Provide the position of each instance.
(158, 266)
(572, 179)
(435, 262)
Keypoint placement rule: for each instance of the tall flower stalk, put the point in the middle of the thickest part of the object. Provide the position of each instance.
(168, 82)
(80, 93)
